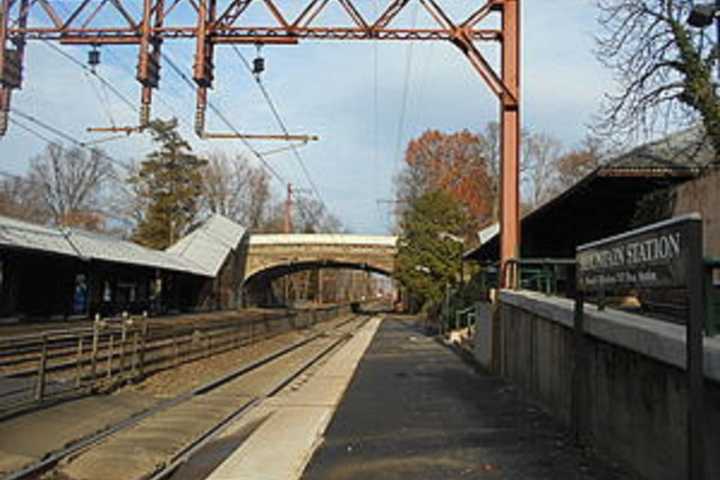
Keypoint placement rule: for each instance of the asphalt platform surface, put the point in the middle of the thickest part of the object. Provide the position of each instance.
(415, 410)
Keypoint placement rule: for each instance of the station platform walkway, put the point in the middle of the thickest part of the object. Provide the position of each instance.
(416, 410)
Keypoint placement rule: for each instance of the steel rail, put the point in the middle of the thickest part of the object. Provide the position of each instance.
(155, 361)
(50, 460)
(212, 433)
(29, 343)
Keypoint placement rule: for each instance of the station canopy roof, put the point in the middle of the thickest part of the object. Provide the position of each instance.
(200, 253)
(25, 235)
(604, 202)
(209, 245)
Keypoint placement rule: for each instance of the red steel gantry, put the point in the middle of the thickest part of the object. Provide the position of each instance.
(221, 22)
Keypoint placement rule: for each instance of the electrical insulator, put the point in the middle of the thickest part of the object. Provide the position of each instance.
(258, 65)
(94, 58)
(154, 73)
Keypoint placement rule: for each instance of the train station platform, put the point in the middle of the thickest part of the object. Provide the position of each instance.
(416, 410)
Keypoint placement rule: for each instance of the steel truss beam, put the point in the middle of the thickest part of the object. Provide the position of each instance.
(221, 22)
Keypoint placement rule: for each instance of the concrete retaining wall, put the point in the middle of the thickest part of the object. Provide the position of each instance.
(483, 338)
(635, 408)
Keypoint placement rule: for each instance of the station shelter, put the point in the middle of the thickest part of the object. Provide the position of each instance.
(51, 272)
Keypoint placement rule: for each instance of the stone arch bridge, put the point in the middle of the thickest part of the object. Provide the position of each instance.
(268, 257)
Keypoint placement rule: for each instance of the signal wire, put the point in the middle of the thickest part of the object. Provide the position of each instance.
(259, 156)
(283, 127)
(403, 107)
(67, 137)
(90, 71)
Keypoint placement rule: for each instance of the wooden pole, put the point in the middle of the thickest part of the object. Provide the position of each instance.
(40, 385)
(110, 356)
(78, 362)
(94, 352)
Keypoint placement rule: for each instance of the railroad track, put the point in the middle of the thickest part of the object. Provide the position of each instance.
(99, 365)
(223, 401)
(24, 349)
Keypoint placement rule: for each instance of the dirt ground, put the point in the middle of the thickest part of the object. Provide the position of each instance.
(192, 375)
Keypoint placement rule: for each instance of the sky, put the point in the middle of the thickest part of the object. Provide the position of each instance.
(365, 100)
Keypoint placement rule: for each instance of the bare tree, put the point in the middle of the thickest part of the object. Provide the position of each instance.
(70, 183)
(312, 217)
(578, 163)
(663, 67)
(540, 173)
(236, 189)
(21, 199)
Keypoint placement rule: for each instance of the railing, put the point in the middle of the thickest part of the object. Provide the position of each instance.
(40, 368)
(552, 276)
(464, 318)
(556, 276)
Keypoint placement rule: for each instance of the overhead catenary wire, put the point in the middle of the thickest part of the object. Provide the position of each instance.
(32, 131)
(259, 156)
(283, 127)
(95, 74)
(403, 105)
(108, 85)
(67, 137)
(224, 119)
(103, 100)
(49, 141)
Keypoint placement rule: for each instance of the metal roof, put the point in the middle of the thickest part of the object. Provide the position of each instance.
(488, 233)
(19, 234)
(101, 247)
(683, 150)
(209, 245)
(323, 239)
(89, 246)
(675, 158)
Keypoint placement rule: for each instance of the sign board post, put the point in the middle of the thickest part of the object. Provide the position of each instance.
(664, 255)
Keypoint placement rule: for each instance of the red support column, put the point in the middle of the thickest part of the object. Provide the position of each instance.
(510, 149)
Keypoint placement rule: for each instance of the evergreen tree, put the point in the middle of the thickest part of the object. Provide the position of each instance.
(168, 186)
(428, 257)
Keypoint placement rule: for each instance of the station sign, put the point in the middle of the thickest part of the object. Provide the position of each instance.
(661, 255)
(664, 255)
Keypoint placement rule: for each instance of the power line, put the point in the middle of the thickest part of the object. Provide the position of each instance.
(32, 131)
(94, 73)
(403, 106)
(283, 127)
(67, 137)
(259, 156)
(222, 117)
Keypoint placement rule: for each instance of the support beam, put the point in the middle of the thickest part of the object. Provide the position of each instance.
(510, 149)
(253, 136)
(82, 26)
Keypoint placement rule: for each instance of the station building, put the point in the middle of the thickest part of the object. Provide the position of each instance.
(669, 177)
(48, 272)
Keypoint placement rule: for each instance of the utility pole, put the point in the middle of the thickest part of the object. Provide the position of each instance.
(288, 227)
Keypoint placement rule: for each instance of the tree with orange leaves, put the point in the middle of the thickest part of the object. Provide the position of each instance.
(454, 163)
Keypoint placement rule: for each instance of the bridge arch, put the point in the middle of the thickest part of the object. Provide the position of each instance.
(270, 257)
